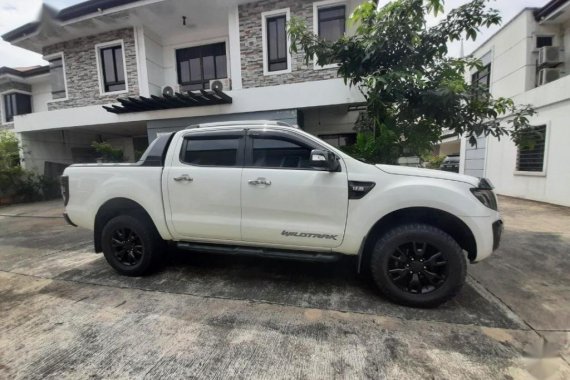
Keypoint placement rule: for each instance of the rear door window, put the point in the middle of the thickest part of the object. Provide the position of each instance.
(212, 150)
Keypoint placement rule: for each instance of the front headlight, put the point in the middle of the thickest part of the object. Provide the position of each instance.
(484, 192)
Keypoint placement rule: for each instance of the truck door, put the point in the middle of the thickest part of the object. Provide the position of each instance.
(203, 186)
(285, 201)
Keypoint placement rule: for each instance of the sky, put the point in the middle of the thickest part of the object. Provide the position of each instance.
(14, 13)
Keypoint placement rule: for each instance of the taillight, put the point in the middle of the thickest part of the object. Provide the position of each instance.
(64, 182)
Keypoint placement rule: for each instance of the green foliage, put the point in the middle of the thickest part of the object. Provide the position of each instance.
(17, 184)
(413, 89)
(9, 150)
(432, 161)
(107, 152)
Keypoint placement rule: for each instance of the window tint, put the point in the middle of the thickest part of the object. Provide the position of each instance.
(277, 43)
(275, 152)
(57, 79)
(542, 41)
(200, 64)
(16, 104)
(531, 158)
(211, 151)
(113, 69)
(332, 23)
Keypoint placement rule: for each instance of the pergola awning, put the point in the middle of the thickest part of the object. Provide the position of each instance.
(178, 100)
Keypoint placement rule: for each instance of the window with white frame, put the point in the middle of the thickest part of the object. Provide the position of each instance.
(57, 77)
(276, 57)
(330, 21)
(112, 68)
(530, 157)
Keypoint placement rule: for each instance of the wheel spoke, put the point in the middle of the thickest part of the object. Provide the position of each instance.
(127, 246)
(401, 258)
(415, 283)
(433, 258)
(401, 273)
(433, 278)
(423, 251)
(417, 267)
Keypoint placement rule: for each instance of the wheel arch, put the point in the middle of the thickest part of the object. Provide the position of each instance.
(112, 208)
(443, 220)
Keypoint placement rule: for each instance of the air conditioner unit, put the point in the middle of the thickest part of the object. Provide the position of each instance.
(550, 56)
(221, 84)
(549, 75)
(170, 90)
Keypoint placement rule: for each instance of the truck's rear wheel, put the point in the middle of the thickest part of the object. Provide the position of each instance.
(418, 265)
(131, 245)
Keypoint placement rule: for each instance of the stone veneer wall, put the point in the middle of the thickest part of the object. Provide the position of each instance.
(252, 49)
(81, 69)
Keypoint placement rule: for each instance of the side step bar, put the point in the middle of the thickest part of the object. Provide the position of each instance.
(260, 252)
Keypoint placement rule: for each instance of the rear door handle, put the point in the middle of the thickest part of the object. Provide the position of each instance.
(259, 181)
(183, 177)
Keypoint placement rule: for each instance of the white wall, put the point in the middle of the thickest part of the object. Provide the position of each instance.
(154, 63)
(510, 56)
(329, 120)
(288, 96)
(513, 74)
(41, 95)
(53, 146)
(56, 146)
(554, 185)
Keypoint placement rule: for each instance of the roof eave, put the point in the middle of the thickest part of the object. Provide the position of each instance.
(550, 8)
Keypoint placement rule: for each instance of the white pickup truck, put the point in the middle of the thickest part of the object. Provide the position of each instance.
(270, 189)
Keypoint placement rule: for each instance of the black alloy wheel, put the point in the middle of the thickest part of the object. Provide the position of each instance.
(127, 246)
(131, 244)
(417, 267)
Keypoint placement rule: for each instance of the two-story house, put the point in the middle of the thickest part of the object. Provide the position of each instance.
(123, 71)
(528, 60)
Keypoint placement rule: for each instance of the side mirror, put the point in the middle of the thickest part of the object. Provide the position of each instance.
(324, 160)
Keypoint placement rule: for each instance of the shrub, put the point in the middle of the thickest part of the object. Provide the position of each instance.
(432, 161)
(107, 152)
(17, 184)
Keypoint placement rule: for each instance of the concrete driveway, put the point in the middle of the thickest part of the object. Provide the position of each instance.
(65, 314)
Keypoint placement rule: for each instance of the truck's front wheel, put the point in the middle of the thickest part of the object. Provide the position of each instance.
(418, 265)
(130, 245)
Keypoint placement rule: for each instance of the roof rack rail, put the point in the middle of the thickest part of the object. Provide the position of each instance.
(243, 122)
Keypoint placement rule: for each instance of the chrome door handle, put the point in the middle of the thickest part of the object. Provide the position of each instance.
(183, 177)
(259, 181)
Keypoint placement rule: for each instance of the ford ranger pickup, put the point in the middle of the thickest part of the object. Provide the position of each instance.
(270, 189)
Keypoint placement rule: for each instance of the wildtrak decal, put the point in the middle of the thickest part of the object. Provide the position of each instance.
(308, 235)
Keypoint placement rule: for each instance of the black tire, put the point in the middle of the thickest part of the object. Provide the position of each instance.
(143, 252)
(419, 277)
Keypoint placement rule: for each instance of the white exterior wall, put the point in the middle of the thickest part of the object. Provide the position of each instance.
(192, 37)
(41, 95)
(56, 146)
(513, 74)
(329, 120)
(287, 96)
(154, 63)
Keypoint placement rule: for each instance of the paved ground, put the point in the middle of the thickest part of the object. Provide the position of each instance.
(65, 314)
